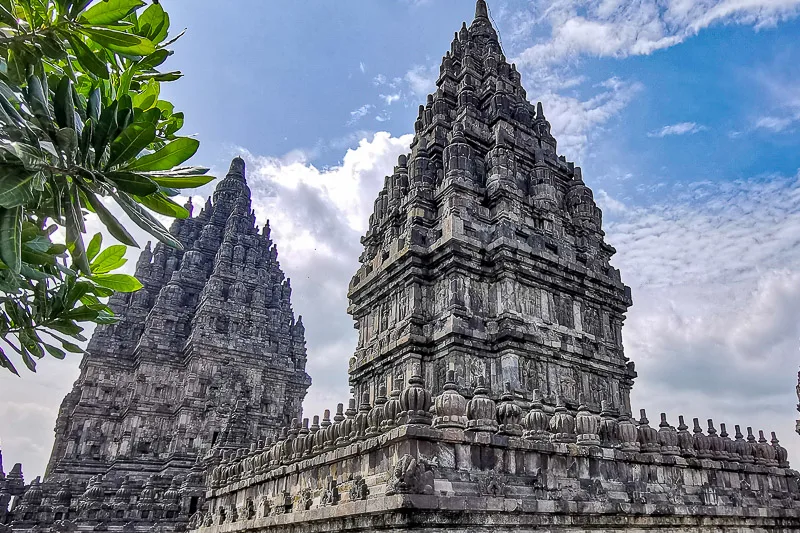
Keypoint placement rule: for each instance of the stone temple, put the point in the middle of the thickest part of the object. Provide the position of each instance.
(208, 355)
(491, 389)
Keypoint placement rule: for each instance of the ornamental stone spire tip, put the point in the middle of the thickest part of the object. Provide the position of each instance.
(481, 10)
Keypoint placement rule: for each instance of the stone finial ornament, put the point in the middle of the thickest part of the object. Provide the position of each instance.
(537, 423)
(628, 435)
(509, 414)
(609, 426)
(648, 436)
(562, 424)
(415, 400)
(392, 410)
(701, 444)
(587, 426)
(450, 406)
(743, 450)
(481, 410)
(376, 414)
(668, 437)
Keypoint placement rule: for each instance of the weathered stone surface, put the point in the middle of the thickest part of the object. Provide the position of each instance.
(207, 357)
(484, 265)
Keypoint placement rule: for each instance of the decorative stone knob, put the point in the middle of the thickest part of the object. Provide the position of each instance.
(685, 439)
(375, 417)
(701, 444)
(361, 421)
(346, 428)
(562, 425)
(781, 454)
(668, 437)
(742, 448)
(391, 410)
(537, 423)
(728, 445)
(767, 451)
(509, 414)
(587, 426)
(609, 426)
(450, 406)
(628, 435)
(481, 410)
(715, 443)
(416, 401)
(648, 436)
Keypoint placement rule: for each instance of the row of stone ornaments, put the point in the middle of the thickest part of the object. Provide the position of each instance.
(414, 405)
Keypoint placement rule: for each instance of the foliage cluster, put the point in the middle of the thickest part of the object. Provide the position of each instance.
(83, 126)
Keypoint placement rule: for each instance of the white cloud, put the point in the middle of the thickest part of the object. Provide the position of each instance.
(390, 98)
(379, 80)
(317, 217)
(715, 326)
(574, 120)
(359, 113)
(422, 79)
(774, 124)
(362, 67)
(681, 128)
(611, 28)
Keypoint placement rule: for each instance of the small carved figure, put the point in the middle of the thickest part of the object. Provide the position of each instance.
(306, 499)
(359, 489)
(330, 495)
(493, 484)
(409, 477)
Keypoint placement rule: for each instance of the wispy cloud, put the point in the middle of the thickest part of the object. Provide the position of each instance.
(681, 128)
(362, 67)
(390, 98)
(359, 113)
(599, 28)
(422, 79)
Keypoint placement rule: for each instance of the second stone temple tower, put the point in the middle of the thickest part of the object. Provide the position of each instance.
(485, 253)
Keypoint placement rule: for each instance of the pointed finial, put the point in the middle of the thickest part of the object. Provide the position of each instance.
(481, 10)
(189, 206)
(539, 111)
(237, 166)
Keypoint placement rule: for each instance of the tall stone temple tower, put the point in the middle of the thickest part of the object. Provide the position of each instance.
(207, 356)
(485, 252)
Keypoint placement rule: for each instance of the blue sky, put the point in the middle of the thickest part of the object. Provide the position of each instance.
(685, 116)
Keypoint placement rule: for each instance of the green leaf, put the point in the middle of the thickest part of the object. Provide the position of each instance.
(178, 172)
(75, 228)
(94, 104)
(5, 362)
(113, 226)
(67, 327)
(118, 282)
(94, 246)
(170, 156)
(135, 138)
(109, 259)
(37, 100)
(146, 221)
(109, 11)
(132, 183)
(11, 237)
(87, 57)
(153, 60)
(163, 205)
(105, 128)
(63, 104)
(58, 353)
(120, 42)
(81, 314)
(153, 23)
(148, 96)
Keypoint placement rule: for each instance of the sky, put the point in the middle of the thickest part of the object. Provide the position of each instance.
(684, 114)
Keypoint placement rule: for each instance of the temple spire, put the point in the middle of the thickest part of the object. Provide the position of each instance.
(481, 10)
